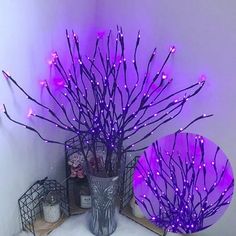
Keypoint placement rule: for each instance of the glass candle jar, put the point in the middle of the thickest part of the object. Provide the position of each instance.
(51, 207)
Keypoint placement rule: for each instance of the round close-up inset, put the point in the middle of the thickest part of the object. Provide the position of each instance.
(183, 183)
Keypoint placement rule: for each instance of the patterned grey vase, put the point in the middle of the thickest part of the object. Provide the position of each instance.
(103, 195)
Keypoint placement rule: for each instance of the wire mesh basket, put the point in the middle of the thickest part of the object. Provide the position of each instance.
(127, 184)
(30, 205)
(127, 194)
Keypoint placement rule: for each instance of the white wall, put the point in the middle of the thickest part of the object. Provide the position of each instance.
(204, 33)
(29, 31)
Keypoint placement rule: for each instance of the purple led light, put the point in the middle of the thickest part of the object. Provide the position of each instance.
(43, 83)
(202, 79)
(164, 76)
(30, 113)
(173, 49)
(6, 74)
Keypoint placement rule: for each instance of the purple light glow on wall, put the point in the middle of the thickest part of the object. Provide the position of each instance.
(183, 183)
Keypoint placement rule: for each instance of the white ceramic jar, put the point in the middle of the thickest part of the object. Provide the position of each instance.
(51, 208)
(51, 213)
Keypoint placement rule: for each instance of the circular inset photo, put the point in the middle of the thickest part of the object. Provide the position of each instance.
(183, 183)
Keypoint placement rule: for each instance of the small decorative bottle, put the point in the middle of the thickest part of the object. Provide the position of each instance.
(51, 207)
(82, 193)
(85, 196)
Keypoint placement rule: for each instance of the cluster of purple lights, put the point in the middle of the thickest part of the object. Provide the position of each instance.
(187, 181)
(107, 98)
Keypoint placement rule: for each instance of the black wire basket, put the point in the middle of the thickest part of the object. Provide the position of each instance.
(30, 203)
(127, 193)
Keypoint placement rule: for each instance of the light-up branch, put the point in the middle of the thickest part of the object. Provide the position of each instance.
(183, 183)
(106, 97)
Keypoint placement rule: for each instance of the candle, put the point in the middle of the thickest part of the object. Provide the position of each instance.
(51, 208)
(135, 209)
